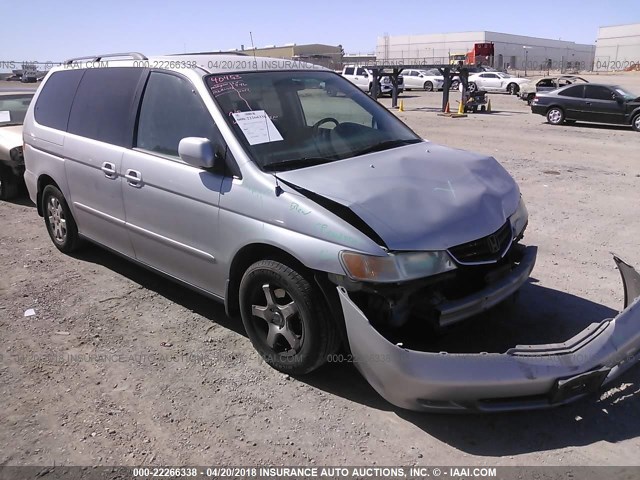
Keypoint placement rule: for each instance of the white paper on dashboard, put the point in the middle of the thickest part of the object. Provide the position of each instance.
(257, 127)
(5, 116)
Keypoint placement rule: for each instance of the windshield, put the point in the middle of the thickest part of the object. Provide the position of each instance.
(294, 119)
(13, 108)
(625, 93)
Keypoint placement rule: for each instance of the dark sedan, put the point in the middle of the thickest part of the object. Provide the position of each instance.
(589, 103)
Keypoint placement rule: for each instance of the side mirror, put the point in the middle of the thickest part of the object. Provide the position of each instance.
(197, 152)
(366, 75)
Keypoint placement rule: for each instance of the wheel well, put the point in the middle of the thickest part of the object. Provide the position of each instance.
(555, 106)
(43, 181)
(247, 256)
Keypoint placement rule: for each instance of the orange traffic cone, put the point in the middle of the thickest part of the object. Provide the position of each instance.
(447, 109)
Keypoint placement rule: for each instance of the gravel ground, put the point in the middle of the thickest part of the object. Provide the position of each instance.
(120, 366)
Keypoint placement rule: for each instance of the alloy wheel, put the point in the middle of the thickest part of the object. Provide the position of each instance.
(279, 320)
(57, 220)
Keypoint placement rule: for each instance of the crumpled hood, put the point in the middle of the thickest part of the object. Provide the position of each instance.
(11, 137)
(418, 197)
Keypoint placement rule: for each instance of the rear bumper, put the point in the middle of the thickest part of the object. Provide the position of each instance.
(539, 109)
(524, 377)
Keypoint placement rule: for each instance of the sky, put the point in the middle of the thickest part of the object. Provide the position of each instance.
(52, 30)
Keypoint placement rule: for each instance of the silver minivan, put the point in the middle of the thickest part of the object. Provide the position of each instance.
(320, 219)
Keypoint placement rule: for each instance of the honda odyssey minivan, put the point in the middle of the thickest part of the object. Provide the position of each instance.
(321, 220)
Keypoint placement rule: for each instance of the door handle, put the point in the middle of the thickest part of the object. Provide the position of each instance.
(109, 170)
(134, 178)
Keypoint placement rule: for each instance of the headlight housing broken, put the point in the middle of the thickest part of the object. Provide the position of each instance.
(395, 267)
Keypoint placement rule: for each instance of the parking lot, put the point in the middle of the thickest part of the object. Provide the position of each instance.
(120, 366)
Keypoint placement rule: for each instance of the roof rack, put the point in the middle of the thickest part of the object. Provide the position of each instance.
(97, 58)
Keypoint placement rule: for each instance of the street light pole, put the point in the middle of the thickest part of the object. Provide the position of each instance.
(526, 58)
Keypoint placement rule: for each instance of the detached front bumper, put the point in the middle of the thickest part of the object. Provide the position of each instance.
(524, 377)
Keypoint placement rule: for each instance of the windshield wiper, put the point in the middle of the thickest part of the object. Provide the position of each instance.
(387, 144)
(297, 163)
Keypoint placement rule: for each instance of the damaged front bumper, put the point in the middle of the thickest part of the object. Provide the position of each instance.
(524, 377)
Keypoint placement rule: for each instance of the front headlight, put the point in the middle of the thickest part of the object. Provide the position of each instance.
(519, 219)
(396, 267)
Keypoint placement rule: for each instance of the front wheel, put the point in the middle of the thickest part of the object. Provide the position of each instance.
(555, 116)
(455, 84)
(9, 185)
(59, 221)
(286, 318)
(428, 86)
(513, 89)
(636, 123)
(472, 87)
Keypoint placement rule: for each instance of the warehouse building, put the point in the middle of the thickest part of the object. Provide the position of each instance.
(329, 56)
(618, 48)
(510, 51)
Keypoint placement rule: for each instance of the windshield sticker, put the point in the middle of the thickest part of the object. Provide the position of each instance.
(257, 127)
(226, 84)
(5, 116)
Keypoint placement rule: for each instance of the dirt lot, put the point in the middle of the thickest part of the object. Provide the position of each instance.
(119, 366)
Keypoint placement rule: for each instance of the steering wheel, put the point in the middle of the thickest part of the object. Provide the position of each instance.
(323, 121)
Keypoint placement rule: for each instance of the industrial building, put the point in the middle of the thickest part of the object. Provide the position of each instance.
(510, 51)
(329, 56)
(618, 48)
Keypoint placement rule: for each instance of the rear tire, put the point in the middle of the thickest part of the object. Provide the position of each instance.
(59, 221)
(635, 123)
(9, 184)
(286, 318)
(428, 86)
(555, 116)
(513, 88)
(472, 87)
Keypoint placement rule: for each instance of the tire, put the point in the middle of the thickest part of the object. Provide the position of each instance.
(513, 88)
(60, 223)
(635, 123)
(293, 332)
(454, 85)
(472, 87)
(9, 184)
(428, 86)
(555, 116)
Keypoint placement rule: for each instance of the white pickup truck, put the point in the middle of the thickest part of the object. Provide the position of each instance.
(363, 79)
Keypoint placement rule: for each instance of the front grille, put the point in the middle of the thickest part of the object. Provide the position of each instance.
(486, 249)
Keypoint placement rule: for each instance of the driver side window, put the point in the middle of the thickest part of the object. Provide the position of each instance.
(171, 110)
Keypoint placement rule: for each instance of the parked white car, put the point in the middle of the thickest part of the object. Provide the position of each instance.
(496, 82)
(427, 80)
(363, 79)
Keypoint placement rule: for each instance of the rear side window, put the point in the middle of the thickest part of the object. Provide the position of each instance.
(575, 92)
(102, 107)
(348, 71)
(171, 110)
(598, 92)
(54, 102)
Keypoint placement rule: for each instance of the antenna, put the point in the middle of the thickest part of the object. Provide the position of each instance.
(255, 62)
